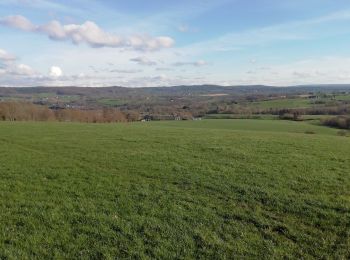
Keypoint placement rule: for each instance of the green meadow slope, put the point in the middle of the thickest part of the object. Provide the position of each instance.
(202, 189)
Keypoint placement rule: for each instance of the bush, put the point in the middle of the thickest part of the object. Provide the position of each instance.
(342, 133)
(310, 132)
(292, 115)
(342, 122)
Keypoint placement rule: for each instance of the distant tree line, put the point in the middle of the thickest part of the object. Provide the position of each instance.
(23, 111)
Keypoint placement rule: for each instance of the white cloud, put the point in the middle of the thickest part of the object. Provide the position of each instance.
(323, 70)
(22, 70)
(144, 61)
(9, 65)
(126, 71)
(89, 33)
(55, 72)
(164, 69)
(198, 63)
(5, 56)
(18, 22)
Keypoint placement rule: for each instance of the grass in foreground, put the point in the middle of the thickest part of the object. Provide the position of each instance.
(208, 189)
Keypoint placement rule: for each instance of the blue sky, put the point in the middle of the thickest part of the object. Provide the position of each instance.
(161, 43)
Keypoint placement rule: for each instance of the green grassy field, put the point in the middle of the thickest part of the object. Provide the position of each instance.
(110, 102)
(345, 97)
(298, 102)
(199, 189)
(282, 103)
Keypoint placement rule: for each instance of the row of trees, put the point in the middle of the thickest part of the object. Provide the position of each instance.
(20, 111)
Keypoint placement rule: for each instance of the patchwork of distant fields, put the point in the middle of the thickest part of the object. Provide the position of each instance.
(190, 189)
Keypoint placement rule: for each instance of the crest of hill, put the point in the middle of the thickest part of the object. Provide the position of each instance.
(172, 91)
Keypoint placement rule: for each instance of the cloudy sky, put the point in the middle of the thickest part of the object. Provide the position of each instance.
(138, 43)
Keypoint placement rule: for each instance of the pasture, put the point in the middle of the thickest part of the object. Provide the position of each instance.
(282, 103)
(300, 102)
(194, 189)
